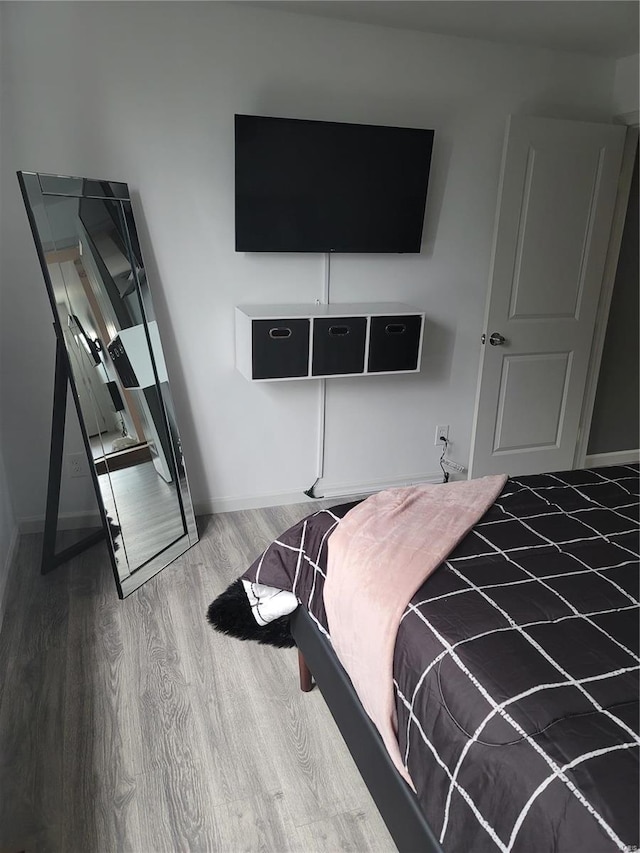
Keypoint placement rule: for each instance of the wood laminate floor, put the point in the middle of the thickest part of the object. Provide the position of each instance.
(133, 726)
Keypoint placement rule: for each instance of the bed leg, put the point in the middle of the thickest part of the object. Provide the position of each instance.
(306, 679)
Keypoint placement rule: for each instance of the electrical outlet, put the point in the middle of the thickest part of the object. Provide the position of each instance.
(77, 465)
(443, 429)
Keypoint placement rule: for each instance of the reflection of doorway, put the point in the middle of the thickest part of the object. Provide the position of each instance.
(135, 426)
(68, 274)
(129, 444)
(143, 410)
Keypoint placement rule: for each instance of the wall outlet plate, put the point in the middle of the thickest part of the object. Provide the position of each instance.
(443, 429)
(77, 465)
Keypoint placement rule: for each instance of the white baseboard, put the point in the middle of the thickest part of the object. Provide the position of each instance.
(350, 490)
(6, 570)
(81, 520)
(323, 489)
(619, 457)
(212, 506)
(66, 521)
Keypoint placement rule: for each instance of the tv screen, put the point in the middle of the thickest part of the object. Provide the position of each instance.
(315, 186)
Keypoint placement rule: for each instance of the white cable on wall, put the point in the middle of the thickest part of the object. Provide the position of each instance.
(322, 384)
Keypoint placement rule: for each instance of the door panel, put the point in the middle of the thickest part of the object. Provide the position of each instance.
(555, 205)
(557, 213)
(518, 426)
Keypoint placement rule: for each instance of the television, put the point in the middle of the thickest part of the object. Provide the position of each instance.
(317, 186)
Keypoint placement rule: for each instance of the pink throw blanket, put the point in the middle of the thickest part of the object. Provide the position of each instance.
(379, 555)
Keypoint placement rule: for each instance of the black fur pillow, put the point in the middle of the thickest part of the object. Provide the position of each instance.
(114, 530)
(230, 613)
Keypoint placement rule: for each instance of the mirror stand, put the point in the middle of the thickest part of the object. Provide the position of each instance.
(50, 558)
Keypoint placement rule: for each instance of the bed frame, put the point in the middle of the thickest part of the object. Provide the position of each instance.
(396, 802)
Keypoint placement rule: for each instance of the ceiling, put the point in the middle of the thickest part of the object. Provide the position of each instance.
(602, 27)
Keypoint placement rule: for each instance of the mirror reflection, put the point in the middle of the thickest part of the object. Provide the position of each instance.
(101, 295)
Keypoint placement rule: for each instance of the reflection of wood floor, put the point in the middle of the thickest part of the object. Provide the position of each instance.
(131, 725)
(148, 513)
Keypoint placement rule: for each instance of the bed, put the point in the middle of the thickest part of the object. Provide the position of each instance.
(515, 669)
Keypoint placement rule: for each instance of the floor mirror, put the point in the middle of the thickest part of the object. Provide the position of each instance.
(110, 356)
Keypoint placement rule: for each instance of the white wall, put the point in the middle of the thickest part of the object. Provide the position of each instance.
(8, 535)
(8, 528)
(626, 86)
(146, 93)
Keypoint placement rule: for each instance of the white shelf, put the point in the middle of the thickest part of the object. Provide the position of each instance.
(335, 309)
(302, 346)
(134, 341)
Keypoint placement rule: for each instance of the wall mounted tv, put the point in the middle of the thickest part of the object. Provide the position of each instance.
(316, 186)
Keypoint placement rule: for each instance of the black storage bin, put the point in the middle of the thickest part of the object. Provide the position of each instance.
(394, 343)
(338, 345)
(121, 362)
(280, 348)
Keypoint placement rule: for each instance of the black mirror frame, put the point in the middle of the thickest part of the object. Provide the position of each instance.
(35, 186)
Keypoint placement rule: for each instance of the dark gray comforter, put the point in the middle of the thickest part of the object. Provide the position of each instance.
(516, 666)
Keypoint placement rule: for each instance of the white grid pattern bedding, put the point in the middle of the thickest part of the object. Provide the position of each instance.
(516, 666)
(538, 680)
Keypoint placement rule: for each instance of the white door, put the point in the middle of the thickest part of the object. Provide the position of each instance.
(555, 206)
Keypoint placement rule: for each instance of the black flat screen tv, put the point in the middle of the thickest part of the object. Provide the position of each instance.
(316, 186)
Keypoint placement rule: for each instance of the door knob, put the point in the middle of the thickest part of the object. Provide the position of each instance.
(496, 339)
